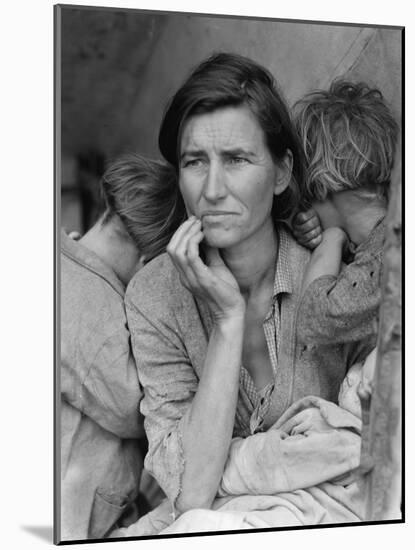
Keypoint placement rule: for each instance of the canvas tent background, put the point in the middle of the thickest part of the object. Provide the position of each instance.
(120, 67)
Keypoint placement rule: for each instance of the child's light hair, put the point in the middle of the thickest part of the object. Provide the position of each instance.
(144, 194)
(349, 137)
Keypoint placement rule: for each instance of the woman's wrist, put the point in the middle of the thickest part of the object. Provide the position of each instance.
(231, 320)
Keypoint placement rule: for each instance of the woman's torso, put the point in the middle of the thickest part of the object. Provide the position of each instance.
(168, 309)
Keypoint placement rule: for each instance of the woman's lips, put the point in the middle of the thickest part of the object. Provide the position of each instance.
(212, 216)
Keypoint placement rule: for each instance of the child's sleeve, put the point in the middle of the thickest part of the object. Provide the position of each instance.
(343, 308)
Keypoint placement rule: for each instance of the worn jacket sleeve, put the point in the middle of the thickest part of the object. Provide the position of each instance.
(106, 389)
(341, 309)
(169, 384)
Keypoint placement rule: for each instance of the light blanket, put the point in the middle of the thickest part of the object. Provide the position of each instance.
(302, 471)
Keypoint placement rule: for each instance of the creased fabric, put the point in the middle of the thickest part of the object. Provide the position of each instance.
(345, 308)
(313, 442)
(301, 472)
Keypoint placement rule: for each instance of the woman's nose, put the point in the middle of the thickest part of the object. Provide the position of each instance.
(214, 187)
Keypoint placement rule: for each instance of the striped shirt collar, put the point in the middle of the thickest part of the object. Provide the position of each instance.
(283, 278)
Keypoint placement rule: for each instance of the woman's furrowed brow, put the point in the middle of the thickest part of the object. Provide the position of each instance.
(225, 152)
(192, 153)
(237, 151)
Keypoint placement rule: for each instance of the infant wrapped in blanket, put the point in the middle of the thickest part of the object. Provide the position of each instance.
(302, 471)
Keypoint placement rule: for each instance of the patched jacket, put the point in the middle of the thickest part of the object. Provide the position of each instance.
(345, 308)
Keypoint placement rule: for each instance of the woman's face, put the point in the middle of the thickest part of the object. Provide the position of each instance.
(228, 177)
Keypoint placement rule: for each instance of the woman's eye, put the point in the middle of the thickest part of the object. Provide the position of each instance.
(237, 160)
(192, 163)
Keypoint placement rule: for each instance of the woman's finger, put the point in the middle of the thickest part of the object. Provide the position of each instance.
(193, 254)
(196, 270)
(180, 253)
(214, 283)
(177, 245)
(174, 242)
(182, 246)
(179, 233)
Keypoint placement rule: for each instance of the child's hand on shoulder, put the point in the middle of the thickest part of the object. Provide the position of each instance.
(307, 228)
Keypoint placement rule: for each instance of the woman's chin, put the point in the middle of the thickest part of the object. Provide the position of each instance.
(218, 239)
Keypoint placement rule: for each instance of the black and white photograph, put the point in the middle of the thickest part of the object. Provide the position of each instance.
(228, 204)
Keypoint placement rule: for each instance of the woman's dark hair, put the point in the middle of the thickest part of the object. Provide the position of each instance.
(225, 80)
(144, 194)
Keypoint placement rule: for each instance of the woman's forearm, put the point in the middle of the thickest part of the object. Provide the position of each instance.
(208, 430)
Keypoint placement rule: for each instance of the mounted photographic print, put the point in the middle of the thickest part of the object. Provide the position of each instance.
(228, 274)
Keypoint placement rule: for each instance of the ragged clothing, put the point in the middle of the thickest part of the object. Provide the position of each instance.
(100, 424)
(302, 471)
(170, 332)
(314, 441)
(345, 308)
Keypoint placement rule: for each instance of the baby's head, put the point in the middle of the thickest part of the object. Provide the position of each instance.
(359, 375)
(349, 137)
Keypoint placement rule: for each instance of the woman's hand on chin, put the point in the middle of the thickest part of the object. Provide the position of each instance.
(212, 281)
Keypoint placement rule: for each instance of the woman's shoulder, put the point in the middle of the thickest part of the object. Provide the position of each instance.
(296, 253)
(157, 282)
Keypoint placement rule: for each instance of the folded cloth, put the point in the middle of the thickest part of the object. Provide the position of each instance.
(302, 471)
(314, 441)
(326, 504)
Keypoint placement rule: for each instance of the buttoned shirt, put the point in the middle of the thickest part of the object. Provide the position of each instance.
(261, 399)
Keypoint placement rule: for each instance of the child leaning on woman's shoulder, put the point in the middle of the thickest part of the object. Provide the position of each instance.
(349, 137)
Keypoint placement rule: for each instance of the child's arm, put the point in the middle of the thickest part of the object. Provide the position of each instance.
(339, 303)
(327, 257)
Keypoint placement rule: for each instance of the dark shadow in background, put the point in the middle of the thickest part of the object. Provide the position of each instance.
(91, 166)
(43, 532)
